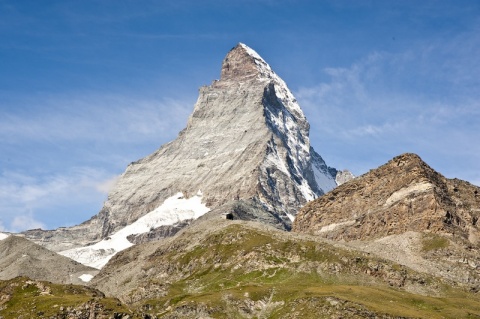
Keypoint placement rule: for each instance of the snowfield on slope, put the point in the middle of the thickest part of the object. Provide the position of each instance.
(86, 277)
(3, 236)
(175, 209)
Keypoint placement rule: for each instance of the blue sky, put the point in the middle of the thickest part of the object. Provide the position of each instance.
(87, 87)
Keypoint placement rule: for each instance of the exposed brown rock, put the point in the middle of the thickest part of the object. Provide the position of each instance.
(403, 195)
(158, 233)
(238, 65)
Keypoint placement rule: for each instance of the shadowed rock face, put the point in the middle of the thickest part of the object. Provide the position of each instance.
(403, 195)
(247, 139)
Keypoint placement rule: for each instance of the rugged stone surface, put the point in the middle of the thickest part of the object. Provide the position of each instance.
(21, 257)
(159, 233)
(247, 138)
(344, 176)
(403, 195)
(408, 213)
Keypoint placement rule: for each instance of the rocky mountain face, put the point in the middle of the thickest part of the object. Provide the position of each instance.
(21, 257)
(247, 139)
(343, 176)
(403, 195)
(407, 212)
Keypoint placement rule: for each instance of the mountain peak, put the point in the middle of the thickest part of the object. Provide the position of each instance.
(242, 62)
(245, 144)
(406, 159)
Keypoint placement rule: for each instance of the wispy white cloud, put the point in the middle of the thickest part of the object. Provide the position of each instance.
(24, 200)
(116, 119)
(422, 100)
(67, 151)
(23, 222)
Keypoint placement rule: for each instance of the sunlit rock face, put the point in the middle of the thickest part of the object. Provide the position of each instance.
(403, 195)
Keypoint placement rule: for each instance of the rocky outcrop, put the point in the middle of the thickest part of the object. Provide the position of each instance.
(344, 176)
(247, 139)
(158, 233)
(21, 257)
(403, 195)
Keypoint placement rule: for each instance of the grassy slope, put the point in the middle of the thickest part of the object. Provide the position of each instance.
(24, 298)
(242, 272)
(296, 279)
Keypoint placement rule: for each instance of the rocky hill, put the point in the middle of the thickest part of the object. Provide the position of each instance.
(407, 212)
(403, 195)
(22, 298)
(21, 257)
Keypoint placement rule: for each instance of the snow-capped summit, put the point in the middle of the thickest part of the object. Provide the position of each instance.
(246, 141)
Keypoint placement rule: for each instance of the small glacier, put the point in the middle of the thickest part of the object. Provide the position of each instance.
(173, 210)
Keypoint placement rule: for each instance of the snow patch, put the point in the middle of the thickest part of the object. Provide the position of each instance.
(3, 236)
(306, 191)
(85, 277)
(175, 209)
(324, 181)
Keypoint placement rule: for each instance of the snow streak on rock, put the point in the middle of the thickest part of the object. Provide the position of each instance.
(86, 277)
(286, 120)
(173, 210)
(324, 175)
